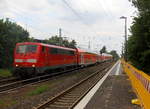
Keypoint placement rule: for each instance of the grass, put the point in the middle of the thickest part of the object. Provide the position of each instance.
(39, 90)
(6, 102)
(5, 73)
(1, 102)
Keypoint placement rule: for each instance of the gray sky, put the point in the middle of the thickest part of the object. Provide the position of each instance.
(96, 21)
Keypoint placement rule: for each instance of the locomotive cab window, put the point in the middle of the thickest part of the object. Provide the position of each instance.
(26, 49)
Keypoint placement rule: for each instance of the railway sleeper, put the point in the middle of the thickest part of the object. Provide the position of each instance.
(74, 94)
(58, 107)
(71, 96)
(62, 103)
(66, 100)
(77, 90)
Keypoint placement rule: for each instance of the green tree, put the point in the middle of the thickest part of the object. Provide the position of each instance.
(114, 54)
(73, 44)
(10, 34)
(103, 50)
(55, 40)
(139, 42)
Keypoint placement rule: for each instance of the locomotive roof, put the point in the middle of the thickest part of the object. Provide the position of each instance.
(80, 50)
(105, 54)
(48, 45)
(85, 51)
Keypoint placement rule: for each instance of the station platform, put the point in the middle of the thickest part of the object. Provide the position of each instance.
(113, 91)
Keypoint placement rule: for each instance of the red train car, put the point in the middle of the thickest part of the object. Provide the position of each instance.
(86, 58)
(100, 58)
(37, 57)
(106, 57)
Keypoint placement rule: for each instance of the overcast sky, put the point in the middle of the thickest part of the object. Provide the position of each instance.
(96, 21)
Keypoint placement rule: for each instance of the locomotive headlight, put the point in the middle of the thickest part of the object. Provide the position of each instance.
(33, 65)
(16, 65)
(31, 60)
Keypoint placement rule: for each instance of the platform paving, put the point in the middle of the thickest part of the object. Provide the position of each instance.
(114, 93)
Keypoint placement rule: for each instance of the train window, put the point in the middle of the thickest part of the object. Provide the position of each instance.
(43, 48)
(60, 51)
(26, 48)
(54, 51)
(66, 52)
(72, 52)
(21, 49)
(31, 48)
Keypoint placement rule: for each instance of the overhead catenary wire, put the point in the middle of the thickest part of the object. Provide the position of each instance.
(107, 13)
(78, 15)
(74, 11)
(108, 9)
(23, 12)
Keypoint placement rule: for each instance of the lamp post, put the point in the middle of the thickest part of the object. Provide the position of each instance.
(125, 18)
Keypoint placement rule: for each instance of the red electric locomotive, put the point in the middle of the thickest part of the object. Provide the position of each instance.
(33, 58)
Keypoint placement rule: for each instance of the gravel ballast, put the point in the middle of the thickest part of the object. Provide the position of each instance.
(21, 98)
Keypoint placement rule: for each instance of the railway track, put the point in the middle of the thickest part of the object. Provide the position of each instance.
(8, 80)
(71, 96)
(12, 83)
(15, 83)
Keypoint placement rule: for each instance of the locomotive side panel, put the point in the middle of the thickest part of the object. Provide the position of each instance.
(55, 57)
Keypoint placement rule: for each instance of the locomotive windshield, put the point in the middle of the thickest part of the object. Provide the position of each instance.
(26, 48)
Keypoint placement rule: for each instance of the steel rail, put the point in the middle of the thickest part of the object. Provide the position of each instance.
(10, 79)
(68, 98)
(21, 83)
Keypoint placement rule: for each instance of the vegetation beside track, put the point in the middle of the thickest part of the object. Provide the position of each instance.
(39, 90)
(5, 73)
(7, 102)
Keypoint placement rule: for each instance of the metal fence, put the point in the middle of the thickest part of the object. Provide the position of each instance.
(140, 83)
